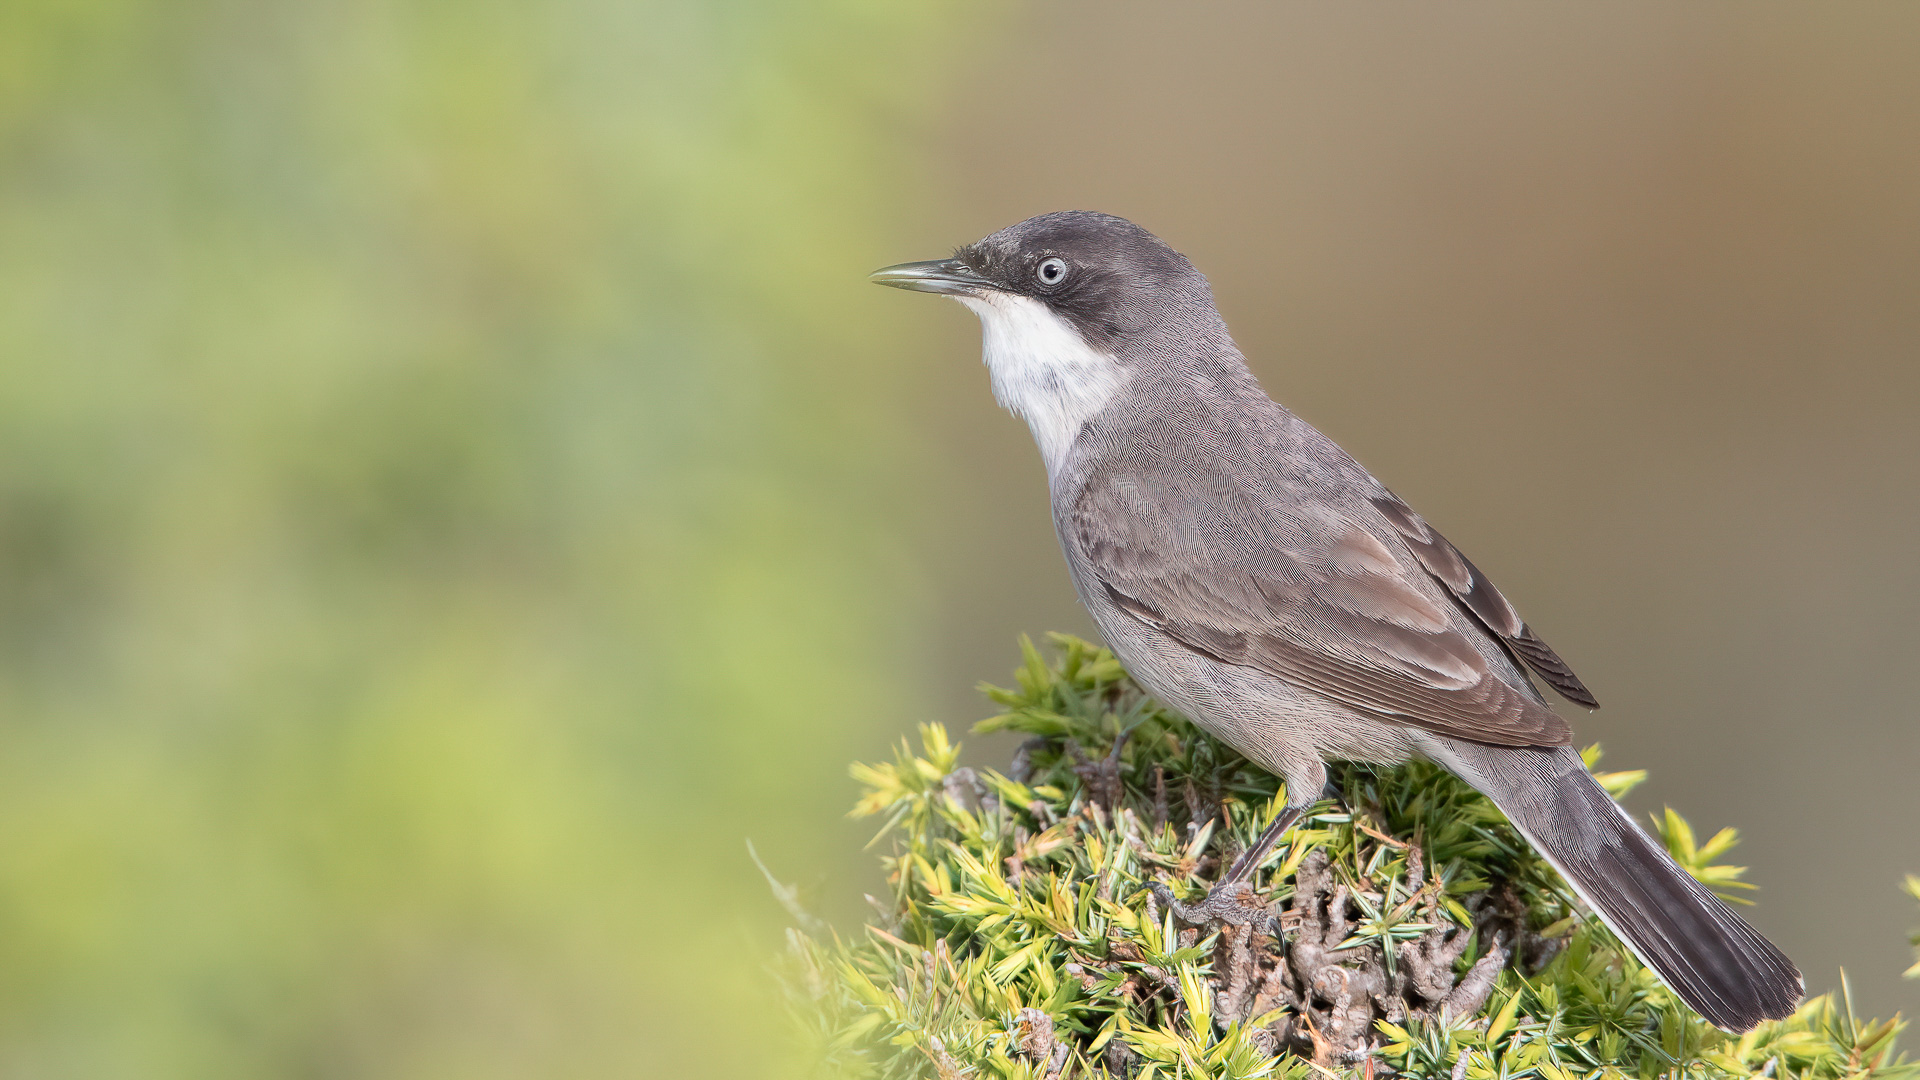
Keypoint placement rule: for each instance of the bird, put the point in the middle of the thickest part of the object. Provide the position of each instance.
(1254, 577)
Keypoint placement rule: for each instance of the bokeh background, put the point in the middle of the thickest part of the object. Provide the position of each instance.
(456, 487)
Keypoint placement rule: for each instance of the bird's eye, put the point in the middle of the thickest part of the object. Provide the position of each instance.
(1051, 271)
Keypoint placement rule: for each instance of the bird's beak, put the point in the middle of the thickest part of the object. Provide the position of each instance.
(949, 277)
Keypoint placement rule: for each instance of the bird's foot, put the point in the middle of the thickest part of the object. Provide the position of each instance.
(1232, 902)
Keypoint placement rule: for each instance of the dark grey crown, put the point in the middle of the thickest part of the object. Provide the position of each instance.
(1119, 278)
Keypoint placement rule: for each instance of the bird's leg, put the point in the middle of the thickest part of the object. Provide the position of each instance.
(1231, 900)
(1250, 859)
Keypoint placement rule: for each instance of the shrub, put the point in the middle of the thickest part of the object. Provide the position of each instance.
(1411, 930)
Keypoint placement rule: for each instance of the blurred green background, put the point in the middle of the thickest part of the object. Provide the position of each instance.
(456, 485)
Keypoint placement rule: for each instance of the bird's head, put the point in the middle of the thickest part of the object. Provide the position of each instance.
(1103, 276)
(1074, 307)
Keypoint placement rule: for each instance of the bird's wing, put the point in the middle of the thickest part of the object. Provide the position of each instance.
(1475, 593)
(1323, 604)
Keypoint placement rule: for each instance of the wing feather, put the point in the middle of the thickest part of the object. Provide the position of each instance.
(1329, 608)
(1478, 595)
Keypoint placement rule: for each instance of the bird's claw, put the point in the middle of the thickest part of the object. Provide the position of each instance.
(1232, 902)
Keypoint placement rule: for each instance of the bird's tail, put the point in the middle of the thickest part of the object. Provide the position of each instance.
(1719, 965)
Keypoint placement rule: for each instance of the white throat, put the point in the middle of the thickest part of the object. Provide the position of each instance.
(1043, 370)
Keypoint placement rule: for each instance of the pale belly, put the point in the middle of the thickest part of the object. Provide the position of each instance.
(1285, 729)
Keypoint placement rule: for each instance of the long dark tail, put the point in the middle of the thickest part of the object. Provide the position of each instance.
(1720, 966)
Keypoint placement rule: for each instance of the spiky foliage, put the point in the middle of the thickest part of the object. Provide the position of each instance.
(1422, 936)
(1912, 886)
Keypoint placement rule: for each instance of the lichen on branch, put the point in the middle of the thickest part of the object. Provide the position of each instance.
(1403, 929)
